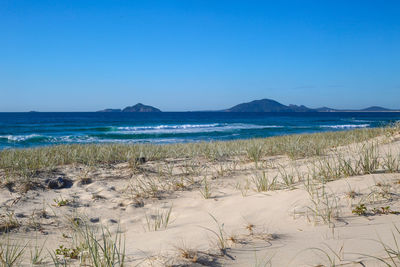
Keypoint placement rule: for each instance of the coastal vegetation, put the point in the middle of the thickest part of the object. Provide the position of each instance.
(27, 162)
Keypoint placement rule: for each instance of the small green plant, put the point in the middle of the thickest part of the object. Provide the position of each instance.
(391, 163)
(145, 187)
(347, 167)
(244, 187)
(221, 170)
(220, 236)
(37, 254)
(384, 211)
(11, 253)
(324, 207)
(60, 202)
(57, 261)
(368, 160)
(205, 190)
(333, 258)
(287, 178)
(133, 163)
(168, 169)
(328, 170)
(179, 185)
(254, 152)
(263, 183)
(191, 168)
(360, 210)
(159, 220)
(101, 249)
(72, 253)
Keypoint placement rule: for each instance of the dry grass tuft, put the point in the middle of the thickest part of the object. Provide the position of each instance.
(8, 222)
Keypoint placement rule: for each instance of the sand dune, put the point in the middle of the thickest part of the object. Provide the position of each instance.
(196, 212)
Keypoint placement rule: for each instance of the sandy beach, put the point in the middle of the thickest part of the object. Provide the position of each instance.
(199, 133)
(337, 206)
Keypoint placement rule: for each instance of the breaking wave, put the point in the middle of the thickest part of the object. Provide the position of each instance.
(346, 126)
(188, 128)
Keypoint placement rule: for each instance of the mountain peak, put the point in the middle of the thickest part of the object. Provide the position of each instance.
(267, 105)
(376, 109)
(139, 107)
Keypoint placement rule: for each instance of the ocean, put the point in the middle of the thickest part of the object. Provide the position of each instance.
(21, 130)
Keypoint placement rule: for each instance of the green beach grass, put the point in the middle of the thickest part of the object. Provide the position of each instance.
(28, 162)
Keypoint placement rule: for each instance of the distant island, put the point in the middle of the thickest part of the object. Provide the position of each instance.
(269, 105)
(262, 105)
(136, 108)
(369, 109)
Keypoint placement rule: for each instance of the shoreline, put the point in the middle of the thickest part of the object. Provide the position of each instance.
(82, 128)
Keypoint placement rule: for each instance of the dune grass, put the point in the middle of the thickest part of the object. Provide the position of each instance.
(26, 163)
(92, 246)
(8, 222)
(324, 206)
(159, 220)
(11, 252)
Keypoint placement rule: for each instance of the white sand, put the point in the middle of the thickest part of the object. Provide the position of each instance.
(283, 230)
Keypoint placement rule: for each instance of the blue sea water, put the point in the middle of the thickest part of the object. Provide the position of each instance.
(18, 130)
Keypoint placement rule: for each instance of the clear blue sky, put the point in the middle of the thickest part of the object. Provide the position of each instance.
(197, 55)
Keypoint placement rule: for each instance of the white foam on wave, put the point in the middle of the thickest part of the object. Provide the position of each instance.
(20, 138)
(188, 128)
(161, 127)
(354, 120)
(75, 139)
(49, 139)
(346, 126)
(135, 130)
(84, 139)
(90, 140)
